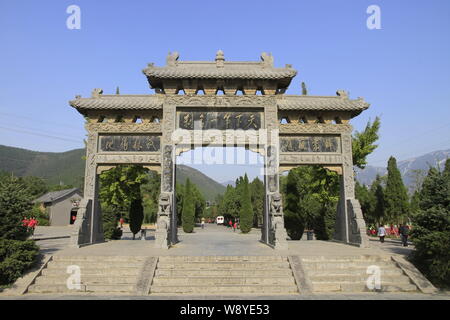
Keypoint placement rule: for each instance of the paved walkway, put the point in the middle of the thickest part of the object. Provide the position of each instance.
(213, 240)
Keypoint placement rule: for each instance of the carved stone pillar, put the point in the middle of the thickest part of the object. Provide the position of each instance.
(350, 225)
(277, 231)
(88, 227)
(166, 228)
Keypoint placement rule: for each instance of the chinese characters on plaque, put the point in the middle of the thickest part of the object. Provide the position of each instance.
(310, 144)
(130, 143)
(221, 120)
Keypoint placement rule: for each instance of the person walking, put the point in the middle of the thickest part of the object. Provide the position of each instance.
(121, 222)
(203, 223)
(32, 224)
(25, 222)
(404, 232)
(381, 233)
(230, 223)
(234, 226)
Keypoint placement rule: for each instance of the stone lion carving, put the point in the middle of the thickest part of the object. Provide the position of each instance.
(276, 205)
(164, 204)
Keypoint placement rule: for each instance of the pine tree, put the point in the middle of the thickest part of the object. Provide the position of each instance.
(431, 231)
(136, 216)
(14, 206)
(395, 194)
(246, 211)
(188, 214)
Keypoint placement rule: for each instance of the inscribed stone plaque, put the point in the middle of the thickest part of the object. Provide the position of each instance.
(221, 120)
(130, 143)
(319, 143)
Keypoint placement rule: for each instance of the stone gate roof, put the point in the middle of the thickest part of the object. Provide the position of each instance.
(322, 103)
(341, 102)
(118, 102)
(209, 70)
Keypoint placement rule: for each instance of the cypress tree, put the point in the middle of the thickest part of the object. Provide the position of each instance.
(246, 212)
(395, 194)
(188, 214)
(379, 206)
(136, 216)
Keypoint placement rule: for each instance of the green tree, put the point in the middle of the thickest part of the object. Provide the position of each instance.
(377, 190)
(257, 195)
(367, 200)
(121, 185)
(395, 195)
(34, 186)
(136, 216)
(188, 214)
(311, 198)
(150, 196)
(363, 143)
(246, 210)
(431, 231)
(15, 204)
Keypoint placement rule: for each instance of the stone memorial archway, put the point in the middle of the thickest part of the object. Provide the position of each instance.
(223, 103)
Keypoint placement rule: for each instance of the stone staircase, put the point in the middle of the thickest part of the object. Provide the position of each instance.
(99, 275)
(223, 275)
(349, 274)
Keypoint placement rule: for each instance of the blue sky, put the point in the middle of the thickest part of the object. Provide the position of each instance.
(403, 70)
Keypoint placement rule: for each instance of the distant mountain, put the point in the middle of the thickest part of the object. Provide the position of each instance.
(406, 167)
(54, 167)
(229, 182)
(209, 187)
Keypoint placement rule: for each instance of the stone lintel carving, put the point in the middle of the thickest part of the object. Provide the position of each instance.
(312, 128)
(121, 127)
(303, 158)
(220, 101)
(128, 158)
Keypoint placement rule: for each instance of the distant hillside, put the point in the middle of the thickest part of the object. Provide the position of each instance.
(229, 182)
(54, 167)
(209, 187)
(406, 167)
(68, 168)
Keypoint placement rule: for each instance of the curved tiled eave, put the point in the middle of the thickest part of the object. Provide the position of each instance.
(117, 103)
(322, 103)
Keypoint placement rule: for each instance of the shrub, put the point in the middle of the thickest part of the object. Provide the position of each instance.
(431, 236)
(16, 257)
(110, 220)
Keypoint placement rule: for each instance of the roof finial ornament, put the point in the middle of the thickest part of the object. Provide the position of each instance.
(172, 58)
(97, 92)
(267, 59)
(220, 58)
(342, 94)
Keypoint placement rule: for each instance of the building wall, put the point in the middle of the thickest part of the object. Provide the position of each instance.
(60, 210)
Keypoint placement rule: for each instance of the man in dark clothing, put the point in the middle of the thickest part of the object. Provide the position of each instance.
(404, 232)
